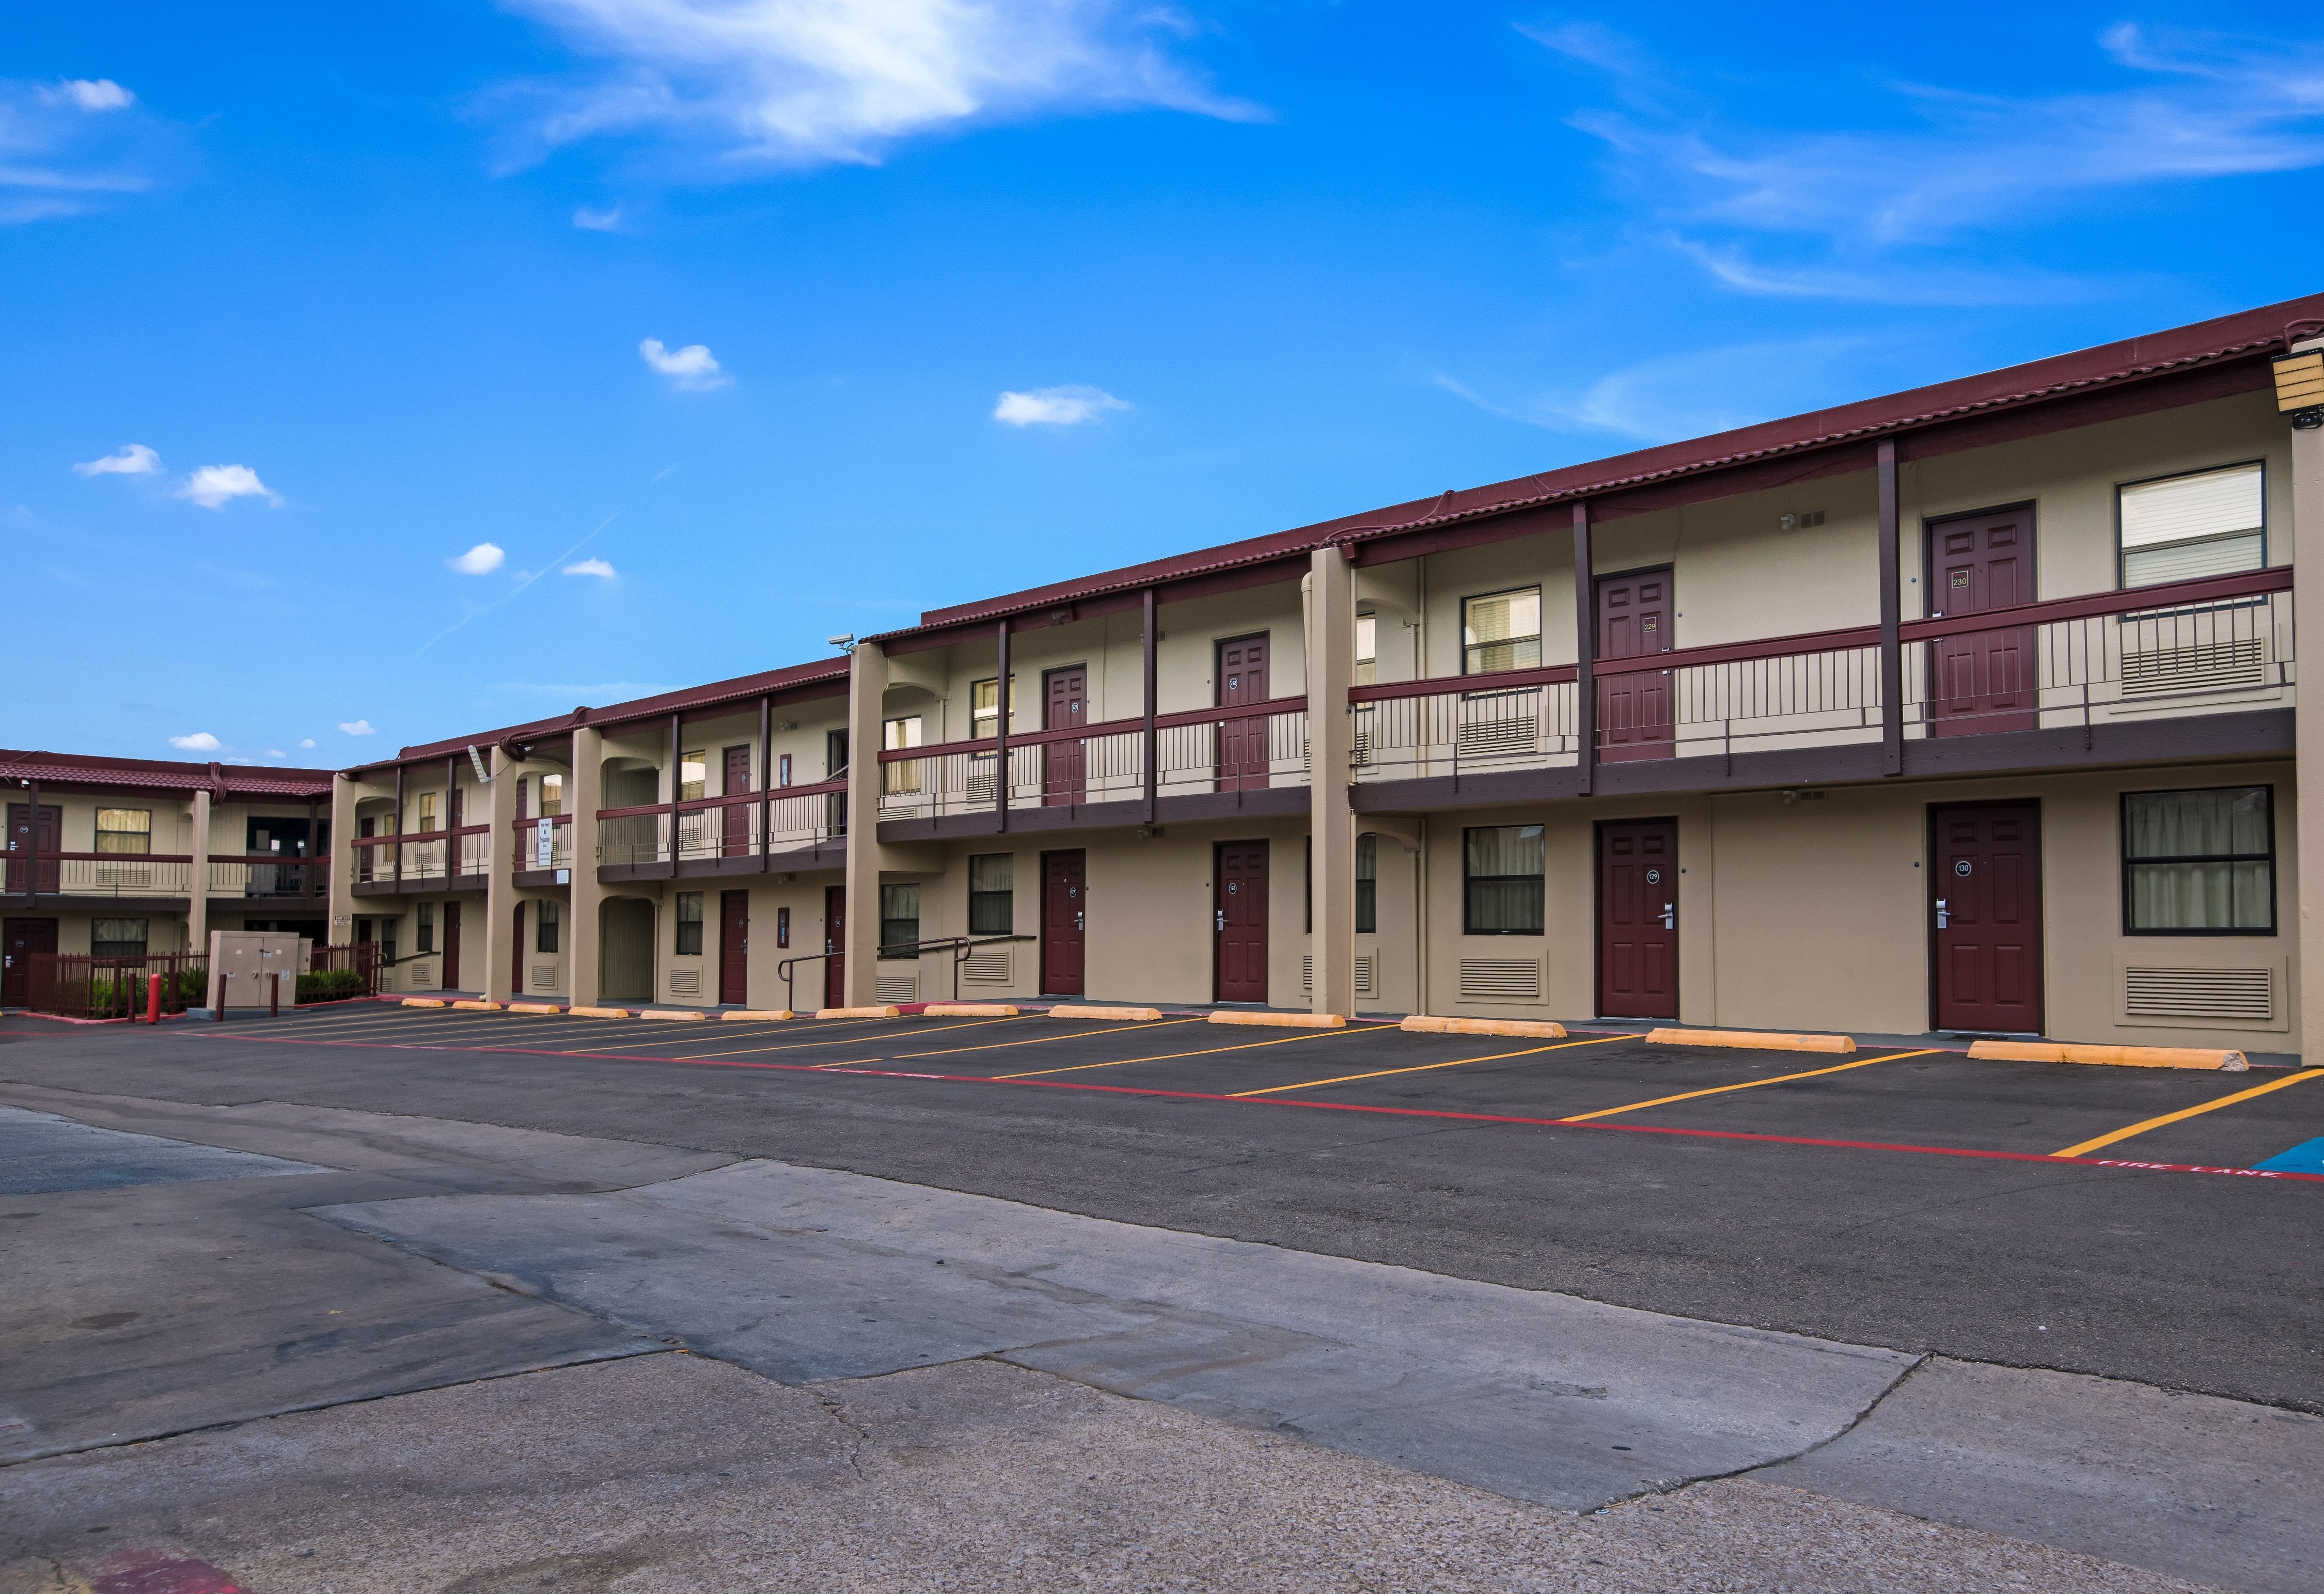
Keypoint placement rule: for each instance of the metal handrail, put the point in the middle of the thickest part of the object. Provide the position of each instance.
(962, 946)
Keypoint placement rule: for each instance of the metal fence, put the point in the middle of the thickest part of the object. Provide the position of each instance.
(77, 985)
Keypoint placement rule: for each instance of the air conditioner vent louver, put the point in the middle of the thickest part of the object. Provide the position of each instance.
(1364, 963)
(2241, 661)
(1500, 979)
(1500, 736)
(895, 988)
(686, 983)
(2221, 996)
(985, 968)
(544, 976)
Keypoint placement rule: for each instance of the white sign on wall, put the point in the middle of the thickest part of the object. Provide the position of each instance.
(542, 843)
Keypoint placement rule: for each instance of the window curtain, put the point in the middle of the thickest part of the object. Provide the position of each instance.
(2209, 887)
(1505, 880)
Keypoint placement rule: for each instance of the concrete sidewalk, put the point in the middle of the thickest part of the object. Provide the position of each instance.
(916, 1389)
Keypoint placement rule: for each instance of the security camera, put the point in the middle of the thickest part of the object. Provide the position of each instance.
(843, 643)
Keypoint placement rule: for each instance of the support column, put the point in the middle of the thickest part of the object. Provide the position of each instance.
(1006, 702)
(1331, 746)
(1585, 645)
(867, 690)
(1892, 608)
(1150, 644)
(500, 950)
(341, 863)
(585, 794)
(2308, 625)
(197, 875)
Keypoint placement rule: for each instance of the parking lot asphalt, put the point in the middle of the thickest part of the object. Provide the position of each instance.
(1906, 1197)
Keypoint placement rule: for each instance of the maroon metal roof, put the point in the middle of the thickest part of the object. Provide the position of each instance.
(691, 699)
(221, 781)
(2247, 335)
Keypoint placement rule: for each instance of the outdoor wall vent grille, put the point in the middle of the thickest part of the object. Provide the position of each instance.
(686, 983)
(1363, 974)
(1500, 735)
(2241, 661)
(544, 976)
(2220, 996)
(1500, 979)
(898, 987)
(423, 976)
(986, 968)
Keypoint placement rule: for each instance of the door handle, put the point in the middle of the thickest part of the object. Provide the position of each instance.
(1943, 918)
(1669, 916)
(1078, 919)
(1222, 921)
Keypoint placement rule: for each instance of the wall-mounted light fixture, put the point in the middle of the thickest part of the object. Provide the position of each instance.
(2300, 388)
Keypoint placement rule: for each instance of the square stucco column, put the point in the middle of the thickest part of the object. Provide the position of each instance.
(197, 878)
(867, 689)
(2308, 625)
(344, 794)
(585, 797)
(500, 881)
(1331, 628)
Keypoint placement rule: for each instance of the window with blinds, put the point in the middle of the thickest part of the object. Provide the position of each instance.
(2209, 523)
(1500, 630)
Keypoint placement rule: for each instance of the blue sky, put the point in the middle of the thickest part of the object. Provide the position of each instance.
(729, 325)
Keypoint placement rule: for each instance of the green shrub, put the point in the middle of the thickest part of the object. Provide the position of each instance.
(329, 985)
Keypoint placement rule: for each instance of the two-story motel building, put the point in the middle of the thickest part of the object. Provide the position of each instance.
(1970, 708)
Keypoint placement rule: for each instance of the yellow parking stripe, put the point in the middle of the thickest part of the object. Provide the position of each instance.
(2087, 1147)
(1206, 1051)
(831, 1024)
(1044, 1040)
(1749, 1084)
(1312, 1085)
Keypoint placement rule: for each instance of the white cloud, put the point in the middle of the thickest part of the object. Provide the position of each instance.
(199, 742)
(1055, 406)
(276, 752)
(480, 560)
(1845, 209)
(749, 83)
(67, 147)
(308, 742)
(608, 220)
(591, 567)
(134, 459)
(215, 485)
(96, 94)
(692, 369)
(359, 727)
(1685, 395)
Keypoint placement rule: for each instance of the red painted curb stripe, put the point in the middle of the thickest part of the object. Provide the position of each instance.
(827, 1071)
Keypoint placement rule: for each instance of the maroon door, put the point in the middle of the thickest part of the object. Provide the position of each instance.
(451, 946)
(1633, 708)
(1241, 677)
(1239, 921)
(1065, 707)
(1638, 919)
(21, 839)
(1982, 680)
(1986, 910)
(735, 827)
(835, 938)
(733, 947)
(1064, 893)
(19, 938)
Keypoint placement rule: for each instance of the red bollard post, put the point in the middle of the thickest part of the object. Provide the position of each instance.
(274, 996)
(152, 999)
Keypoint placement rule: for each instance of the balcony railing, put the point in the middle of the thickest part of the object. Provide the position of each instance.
(746, 824)
(1515, 720)
(103, 874)
(437, 857)
(2200, 647)
(535, 852)
(1250, 748)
